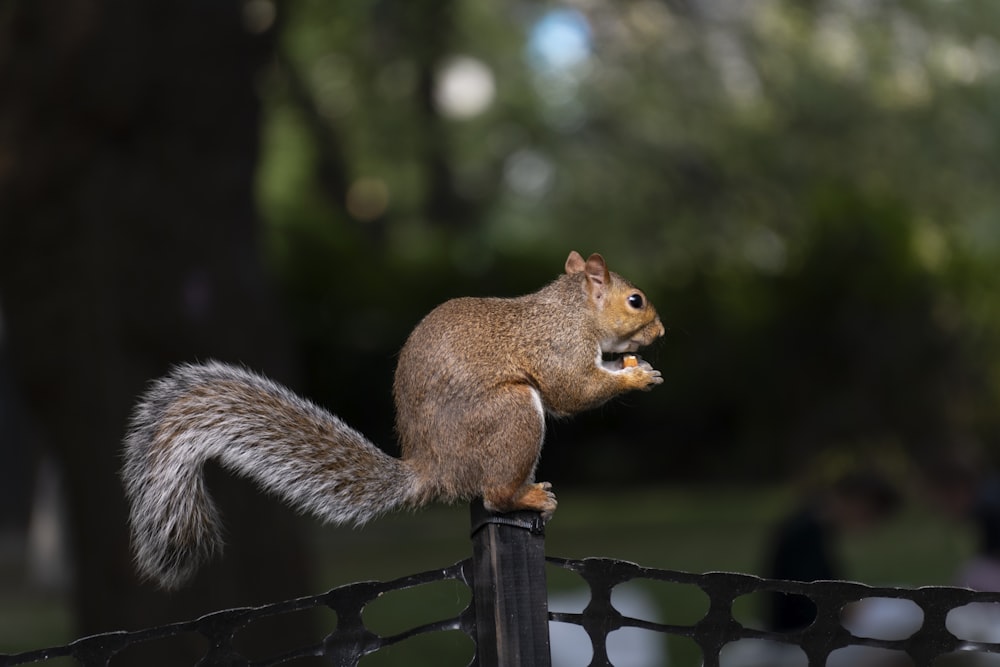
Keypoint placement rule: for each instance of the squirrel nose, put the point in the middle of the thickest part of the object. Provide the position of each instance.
(659, 328)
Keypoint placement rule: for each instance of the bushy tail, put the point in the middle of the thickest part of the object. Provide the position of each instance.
(256, 428)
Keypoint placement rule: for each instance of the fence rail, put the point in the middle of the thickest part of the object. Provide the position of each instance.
(930, 640)
(508, 617)
(346, 645)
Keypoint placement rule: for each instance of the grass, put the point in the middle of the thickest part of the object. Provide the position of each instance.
(29, 621)
(694, 529)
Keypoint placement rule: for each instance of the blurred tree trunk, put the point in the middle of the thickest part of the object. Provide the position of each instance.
(128, 241)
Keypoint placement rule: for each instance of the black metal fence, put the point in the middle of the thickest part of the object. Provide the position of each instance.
(508, 618)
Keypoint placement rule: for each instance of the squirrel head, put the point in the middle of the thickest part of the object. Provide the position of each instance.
(625, 318)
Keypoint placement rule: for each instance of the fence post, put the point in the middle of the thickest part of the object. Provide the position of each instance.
(508, 588)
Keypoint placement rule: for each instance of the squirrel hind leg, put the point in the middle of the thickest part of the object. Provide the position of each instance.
(512, 450)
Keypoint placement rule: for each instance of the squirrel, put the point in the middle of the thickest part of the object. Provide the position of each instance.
(472, 387)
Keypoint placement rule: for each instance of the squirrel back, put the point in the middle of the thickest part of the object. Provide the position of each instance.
(473, 384)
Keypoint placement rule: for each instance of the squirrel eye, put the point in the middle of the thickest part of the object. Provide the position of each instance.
(635, 300)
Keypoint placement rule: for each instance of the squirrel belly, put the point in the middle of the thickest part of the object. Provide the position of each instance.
(258, 429)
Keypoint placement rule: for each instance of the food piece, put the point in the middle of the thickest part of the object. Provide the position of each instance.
(630, 361)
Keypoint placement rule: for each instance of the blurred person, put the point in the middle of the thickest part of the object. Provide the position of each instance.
(803, 544)
(966, 490)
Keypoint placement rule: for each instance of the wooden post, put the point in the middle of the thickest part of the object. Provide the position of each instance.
(508, 588)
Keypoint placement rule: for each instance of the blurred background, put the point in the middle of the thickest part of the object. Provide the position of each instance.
(807, 191)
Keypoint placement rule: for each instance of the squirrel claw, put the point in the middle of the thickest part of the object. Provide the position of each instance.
(548, 507)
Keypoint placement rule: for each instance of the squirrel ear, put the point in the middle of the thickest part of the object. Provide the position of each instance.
(574, 263)
(598, 277)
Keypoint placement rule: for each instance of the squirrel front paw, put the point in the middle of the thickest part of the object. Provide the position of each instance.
(642, 376)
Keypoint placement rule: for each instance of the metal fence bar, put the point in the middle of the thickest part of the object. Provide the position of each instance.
(508, 589)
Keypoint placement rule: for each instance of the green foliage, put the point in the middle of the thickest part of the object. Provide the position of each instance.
(807, 191)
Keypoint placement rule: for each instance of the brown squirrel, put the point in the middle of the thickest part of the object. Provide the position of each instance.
(472, 386)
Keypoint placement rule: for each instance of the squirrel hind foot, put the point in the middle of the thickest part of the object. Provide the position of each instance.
(534, 497)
